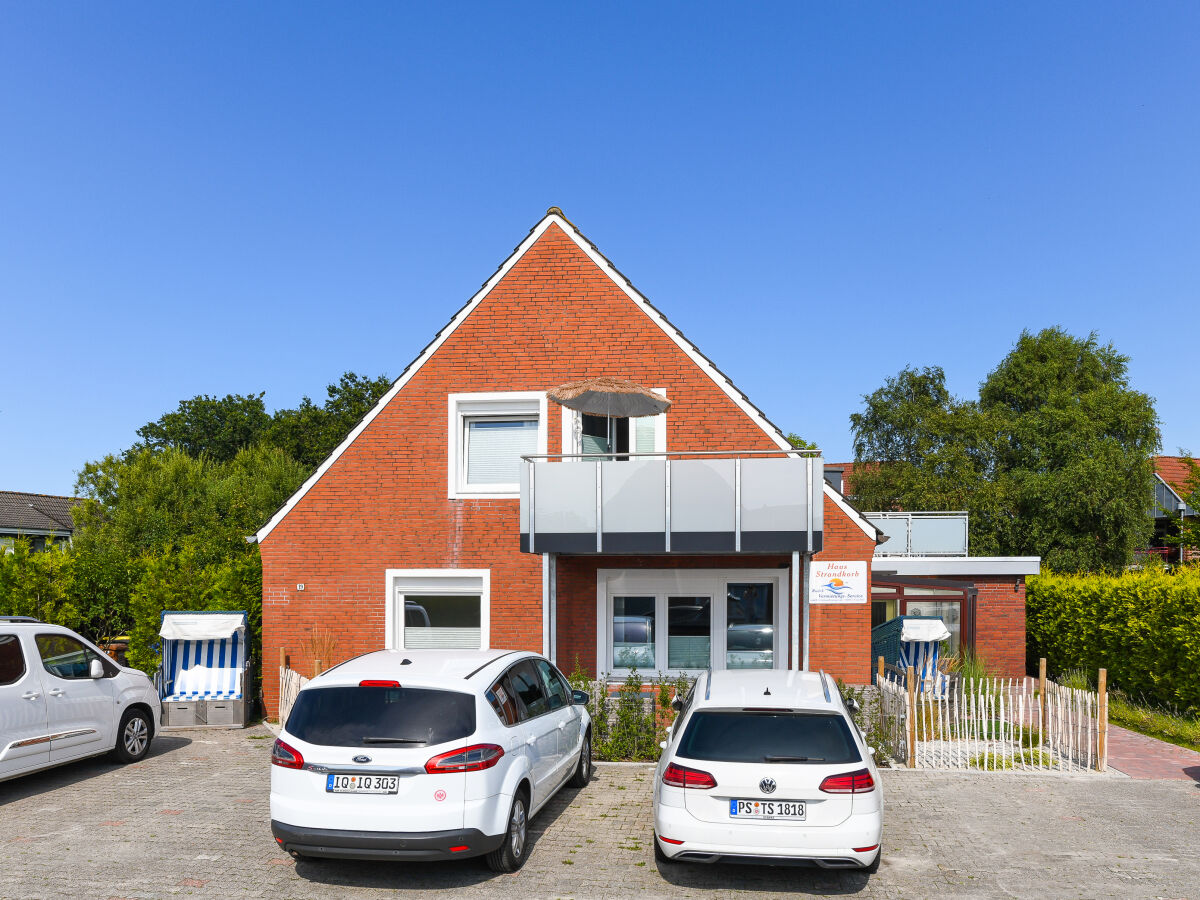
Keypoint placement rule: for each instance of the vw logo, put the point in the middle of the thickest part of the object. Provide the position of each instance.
(367, 759)
(767, 785)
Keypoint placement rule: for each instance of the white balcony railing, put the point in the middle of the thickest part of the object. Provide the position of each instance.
(921, 533)
(755, 501)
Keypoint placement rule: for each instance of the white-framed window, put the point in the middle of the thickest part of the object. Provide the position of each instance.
(438, 609)
(488, 435)
(599, 436)
(685, 621)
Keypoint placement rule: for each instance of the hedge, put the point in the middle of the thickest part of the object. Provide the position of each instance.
(1144, 627)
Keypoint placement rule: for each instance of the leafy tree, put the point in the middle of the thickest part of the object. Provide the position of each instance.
(309, 433)
(800, 443)
(218, 427)
(1052, 460)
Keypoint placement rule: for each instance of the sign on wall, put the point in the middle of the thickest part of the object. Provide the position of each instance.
(838, 582)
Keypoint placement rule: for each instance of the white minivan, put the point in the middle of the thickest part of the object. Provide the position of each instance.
(427, 754)
(62, 699)
(767, 766)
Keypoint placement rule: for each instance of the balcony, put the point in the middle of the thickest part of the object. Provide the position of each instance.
(921, 533)
(756, 501)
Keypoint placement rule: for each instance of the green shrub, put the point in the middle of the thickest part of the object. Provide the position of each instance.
(992, 761)
(1143, 627)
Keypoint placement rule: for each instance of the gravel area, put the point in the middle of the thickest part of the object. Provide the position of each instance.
(192, 820)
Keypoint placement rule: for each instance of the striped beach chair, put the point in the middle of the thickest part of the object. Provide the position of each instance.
(920, 645)
(204, 656)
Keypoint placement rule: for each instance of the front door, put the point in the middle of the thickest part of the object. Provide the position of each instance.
(23, 731)
(80, 709)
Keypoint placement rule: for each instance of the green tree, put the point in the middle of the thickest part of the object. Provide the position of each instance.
(309, 433)
(218, 427)
(800, 443)
(1052, 460)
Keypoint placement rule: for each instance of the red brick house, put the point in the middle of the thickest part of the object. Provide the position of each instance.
(448, 518)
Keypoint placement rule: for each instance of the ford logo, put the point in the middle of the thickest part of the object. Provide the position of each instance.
(767, 785)
(367, 759)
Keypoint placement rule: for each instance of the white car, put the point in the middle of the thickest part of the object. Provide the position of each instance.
(767, 767)
(63, 699)
(427, 754)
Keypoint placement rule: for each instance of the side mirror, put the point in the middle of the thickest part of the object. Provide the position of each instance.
(95, 669)
(677, 704)
(580, 698)
(853, 706)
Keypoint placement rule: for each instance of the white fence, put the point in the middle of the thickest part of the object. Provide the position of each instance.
(290, 683)
(1021, 724)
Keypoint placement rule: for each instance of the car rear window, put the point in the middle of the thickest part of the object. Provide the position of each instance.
(768, 736)
(381, 716)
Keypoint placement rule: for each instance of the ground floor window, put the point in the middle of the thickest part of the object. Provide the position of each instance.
(438, 609)
(690, 620)
(953, 603)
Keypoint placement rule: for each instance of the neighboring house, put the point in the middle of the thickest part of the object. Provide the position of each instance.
(43, 519)
(925, 568)
(1171, 474)
(444, 518)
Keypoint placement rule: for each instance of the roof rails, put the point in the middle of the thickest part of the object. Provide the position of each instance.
(21, 619)
(708, 683)
(472, 674)
(825, 686)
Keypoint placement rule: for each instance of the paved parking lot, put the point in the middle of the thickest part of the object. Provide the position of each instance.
(192, 820)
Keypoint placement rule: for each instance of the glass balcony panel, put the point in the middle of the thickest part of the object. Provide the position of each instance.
(565, 498)
(702, 495)
(634, 494)
(774, 495)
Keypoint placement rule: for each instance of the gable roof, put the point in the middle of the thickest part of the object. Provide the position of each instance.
(20, 511)
(554, 216)
(1175, 471)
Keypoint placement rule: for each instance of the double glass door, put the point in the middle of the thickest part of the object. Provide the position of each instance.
(694, 624)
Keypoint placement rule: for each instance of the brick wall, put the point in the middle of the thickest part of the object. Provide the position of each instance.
(1000, 623)
(554, 317)
(841, 635)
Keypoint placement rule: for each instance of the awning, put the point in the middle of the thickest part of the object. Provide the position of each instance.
(924, 630)
(183, 626)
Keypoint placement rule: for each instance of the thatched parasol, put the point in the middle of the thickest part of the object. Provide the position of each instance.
(612, 397)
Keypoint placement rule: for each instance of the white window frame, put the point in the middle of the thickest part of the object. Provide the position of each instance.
(572, 429)
(661, 583)
(497, 404)
(450, 582)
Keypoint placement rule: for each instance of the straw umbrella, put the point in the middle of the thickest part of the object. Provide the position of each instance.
(615, 398)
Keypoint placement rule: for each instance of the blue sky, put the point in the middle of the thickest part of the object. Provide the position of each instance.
(214, 198)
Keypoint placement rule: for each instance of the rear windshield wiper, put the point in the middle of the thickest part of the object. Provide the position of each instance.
(794, 759)
(393, 740)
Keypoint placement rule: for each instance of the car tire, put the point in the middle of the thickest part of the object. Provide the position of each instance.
(583, 771)
(133, 736)
(510, 855)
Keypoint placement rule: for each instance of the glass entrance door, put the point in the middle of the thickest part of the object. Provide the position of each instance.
(749, 626)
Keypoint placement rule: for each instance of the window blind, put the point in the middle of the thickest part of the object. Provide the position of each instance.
(495, 448)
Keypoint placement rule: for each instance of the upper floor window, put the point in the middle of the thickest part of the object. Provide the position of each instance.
(604, 436)
(488, 435)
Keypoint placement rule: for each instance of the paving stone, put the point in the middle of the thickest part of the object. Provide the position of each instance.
(947, 834)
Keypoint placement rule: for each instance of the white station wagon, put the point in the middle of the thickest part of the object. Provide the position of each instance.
(62, 699)
(767, 767)
(427, 754)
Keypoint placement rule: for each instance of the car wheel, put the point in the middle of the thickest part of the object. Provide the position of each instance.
(133, 736)
(583, 771)
(510, 855)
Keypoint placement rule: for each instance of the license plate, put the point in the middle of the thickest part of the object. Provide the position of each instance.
(790, 810)
(362, 784)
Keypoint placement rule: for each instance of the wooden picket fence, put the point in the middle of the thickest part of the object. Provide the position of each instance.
(290, 682)
(1019, 724)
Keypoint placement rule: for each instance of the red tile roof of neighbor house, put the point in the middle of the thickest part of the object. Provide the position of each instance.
(21, 511)
(1175, 471)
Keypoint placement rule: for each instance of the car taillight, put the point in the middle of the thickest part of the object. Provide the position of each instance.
(377, 683)
(286, 755)
(682, 776)
(859, 782)
(475, 758)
